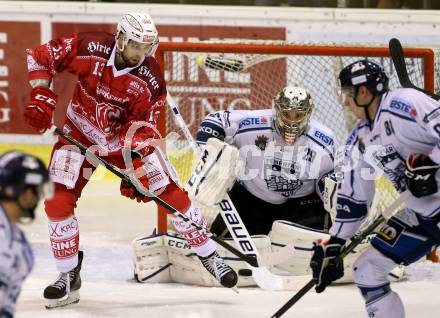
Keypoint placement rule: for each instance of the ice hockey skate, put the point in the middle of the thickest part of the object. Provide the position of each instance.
(220, 270)
(65, 290)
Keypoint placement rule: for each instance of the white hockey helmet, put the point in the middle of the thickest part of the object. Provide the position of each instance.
(140, 28)
(293, 107)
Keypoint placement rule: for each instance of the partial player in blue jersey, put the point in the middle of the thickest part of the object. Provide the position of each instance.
(24, 180)
(398, 134)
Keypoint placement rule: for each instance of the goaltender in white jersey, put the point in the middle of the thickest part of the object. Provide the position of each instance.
(399, 134)
(286, 156)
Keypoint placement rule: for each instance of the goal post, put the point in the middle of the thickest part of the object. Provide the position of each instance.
(243, 74)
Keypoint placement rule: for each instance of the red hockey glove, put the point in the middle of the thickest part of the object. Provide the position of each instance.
(129, 190)
(38, 113)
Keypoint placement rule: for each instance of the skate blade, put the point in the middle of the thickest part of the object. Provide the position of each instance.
(72, 298)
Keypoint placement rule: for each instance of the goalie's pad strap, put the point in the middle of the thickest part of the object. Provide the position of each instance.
(141, 280)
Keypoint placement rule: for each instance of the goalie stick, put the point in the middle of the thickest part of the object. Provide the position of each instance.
(133, 181)
(398, 58)
(385, 215)
(262, 276)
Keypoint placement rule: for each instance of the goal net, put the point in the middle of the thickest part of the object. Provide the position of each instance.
(210, 76)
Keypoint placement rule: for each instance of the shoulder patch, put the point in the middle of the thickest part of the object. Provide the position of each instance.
(403, 108)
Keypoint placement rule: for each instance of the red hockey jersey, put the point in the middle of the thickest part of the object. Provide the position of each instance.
(105, 100)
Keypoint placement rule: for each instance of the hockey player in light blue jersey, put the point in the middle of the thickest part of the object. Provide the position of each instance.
(398, 133)
(287, 156)
(24, 180)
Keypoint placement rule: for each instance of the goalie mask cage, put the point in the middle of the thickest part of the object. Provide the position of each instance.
(209, 76)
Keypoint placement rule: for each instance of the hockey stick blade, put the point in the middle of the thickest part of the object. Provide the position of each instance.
(385, 215)
(229, 65)
(398, 58)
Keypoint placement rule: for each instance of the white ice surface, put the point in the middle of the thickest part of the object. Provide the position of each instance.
(109, 222)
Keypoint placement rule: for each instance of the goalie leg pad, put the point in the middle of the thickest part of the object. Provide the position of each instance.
(187, 268)
(167, 258)
(151, 262)
(284, 233)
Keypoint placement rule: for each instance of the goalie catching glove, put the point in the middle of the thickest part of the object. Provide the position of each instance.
(215, 173)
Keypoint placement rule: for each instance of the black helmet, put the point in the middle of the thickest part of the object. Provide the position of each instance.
(19, 171)
(367, 73)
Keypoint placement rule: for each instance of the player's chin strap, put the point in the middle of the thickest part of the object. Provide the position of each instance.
(262, 276)
(365, 107)
(384, 216)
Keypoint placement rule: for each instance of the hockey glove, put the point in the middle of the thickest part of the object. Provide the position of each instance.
(420, 175)
(129, 190)
(326, 264)
(38, 112)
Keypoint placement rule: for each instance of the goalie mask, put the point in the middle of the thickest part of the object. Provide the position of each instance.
(293, 107)
(139, 28)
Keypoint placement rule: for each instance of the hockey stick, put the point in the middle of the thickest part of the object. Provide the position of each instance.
(232, 64)
(385, 215)
(262, 276)
(398, 59)
(133, 181)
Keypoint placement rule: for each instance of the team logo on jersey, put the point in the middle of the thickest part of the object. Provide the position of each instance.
(107, 117)
(261, 142)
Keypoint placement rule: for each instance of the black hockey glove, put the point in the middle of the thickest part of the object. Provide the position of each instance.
(326, 264)
(420, 175)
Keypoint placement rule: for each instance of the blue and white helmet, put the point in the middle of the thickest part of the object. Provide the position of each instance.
(140, 28)
(19, 171)
(367, 73)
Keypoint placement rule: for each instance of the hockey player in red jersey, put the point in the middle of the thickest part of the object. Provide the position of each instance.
(117, 99)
